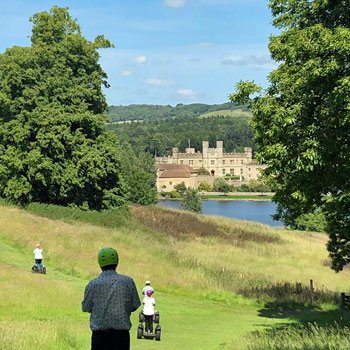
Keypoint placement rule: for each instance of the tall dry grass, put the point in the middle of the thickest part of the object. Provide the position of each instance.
(182, 251)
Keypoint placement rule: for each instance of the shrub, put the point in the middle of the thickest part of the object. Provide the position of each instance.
(191, 201)
(204, 187)
(220, 185)
(174, 194)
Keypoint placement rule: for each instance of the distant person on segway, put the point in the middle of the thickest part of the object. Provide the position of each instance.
(148, 310)
(38, 256)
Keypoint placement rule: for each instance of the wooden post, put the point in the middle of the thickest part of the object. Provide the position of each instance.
(311, 291)
(299, 288)
(342, 300)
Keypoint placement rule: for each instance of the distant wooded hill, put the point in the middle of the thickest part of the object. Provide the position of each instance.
(165, 127)
(142, 112)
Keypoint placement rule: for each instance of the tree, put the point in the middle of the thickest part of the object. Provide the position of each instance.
(220, 185)
(302, 121)
(181, 188)
(204, 187)
(191, 201)
(139, 175)
(53, 146)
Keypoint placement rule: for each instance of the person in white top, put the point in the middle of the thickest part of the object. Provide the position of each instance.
(147, 287)
(148, 311)
(38, 254)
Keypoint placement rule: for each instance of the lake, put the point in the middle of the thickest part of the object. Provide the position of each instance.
(259, 211)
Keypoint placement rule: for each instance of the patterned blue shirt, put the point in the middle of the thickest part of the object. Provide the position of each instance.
(110, 298)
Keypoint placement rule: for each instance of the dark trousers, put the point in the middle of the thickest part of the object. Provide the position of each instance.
(110, 339)
(38, 261)
(149, 323)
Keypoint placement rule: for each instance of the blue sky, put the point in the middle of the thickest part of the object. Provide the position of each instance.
(166, 51)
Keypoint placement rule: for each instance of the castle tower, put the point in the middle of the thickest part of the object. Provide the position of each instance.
(248, 151)
(219, 148)
(175, 155)
(205, 154)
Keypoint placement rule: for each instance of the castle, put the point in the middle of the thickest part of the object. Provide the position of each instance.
(186, 167)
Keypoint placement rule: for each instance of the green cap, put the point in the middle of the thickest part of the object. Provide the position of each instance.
(108, 256)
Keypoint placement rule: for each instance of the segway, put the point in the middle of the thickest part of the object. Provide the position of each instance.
(39, 268)
(146, 328)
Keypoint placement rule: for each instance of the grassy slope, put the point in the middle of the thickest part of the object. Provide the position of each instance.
(195, 268)
(226, 113)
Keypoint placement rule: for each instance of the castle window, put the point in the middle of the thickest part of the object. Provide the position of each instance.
(223, 171)
(223, 162)
(241, 171)
(232, 171)
(181, 161)
(231, 161)
(190, 162)
(212, 162)
(170, 182)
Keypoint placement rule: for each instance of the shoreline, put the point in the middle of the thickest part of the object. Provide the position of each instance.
(245, 196)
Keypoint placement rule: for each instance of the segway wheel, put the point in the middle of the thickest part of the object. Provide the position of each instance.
(34, 269)
(157, 336)
(156, 317)
(140, 332)
(44, 270)
(141, 317)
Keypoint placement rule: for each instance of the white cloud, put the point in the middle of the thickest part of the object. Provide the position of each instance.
(125, 73)
(185, 93)
(253, 60)
(175, 3)
(140, 59)
(159, 82)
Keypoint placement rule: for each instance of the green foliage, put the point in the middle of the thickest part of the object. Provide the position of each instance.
(191, 201)
(220, 185)
(314, 221)
(174, 194)
(139, 175)
(147, 112)
(115, 217)
(203, 171)
(181, 188)
(301, 123)
(53, 146)
(243, 91)
(204, 187)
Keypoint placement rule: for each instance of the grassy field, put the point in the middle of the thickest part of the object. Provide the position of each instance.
(220, 284)
(226, 113)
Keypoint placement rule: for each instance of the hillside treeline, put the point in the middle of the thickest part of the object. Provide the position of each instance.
(142, 111)
(158, 137)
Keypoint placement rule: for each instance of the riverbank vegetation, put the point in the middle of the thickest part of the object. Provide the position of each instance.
(242, 274)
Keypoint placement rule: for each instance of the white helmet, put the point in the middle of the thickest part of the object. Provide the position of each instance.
(147, 283)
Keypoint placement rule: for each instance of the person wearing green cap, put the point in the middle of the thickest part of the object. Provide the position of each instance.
(110, 299)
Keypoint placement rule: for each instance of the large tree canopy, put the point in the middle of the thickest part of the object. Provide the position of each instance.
(53, 146)
(302, 121)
